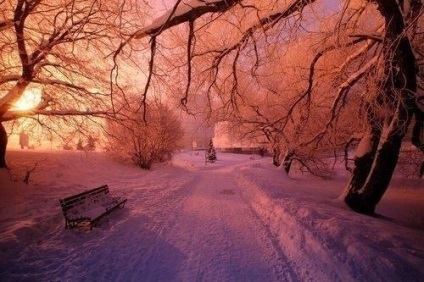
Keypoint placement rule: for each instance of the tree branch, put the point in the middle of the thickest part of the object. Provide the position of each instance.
(12, 115)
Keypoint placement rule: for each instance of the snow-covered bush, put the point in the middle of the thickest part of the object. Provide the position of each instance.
(145, 140)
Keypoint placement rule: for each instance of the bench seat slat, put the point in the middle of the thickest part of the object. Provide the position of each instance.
(94, 190)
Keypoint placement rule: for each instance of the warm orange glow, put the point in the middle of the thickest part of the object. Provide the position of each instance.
(30, 99)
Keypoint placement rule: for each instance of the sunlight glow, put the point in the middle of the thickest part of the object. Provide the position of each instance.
(30, 99)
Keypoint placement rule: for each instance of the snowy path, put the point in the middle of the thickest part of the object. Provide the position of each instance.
(238, 219)
(220, 238)
(180, 224)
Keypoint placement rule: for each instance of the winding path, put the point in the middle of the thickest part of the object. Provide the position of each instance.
(218, 236)
(188, 223)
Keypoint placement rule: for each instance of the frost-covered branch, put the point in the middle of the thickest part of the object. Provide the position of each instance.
(340, 98)
(184, 12)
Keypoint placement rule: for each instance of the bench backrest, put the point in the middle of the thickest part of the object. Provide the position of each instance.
(81, 198)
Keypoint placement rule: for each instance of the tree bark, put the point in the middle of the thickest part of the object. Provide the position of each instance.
(374, 170)
(418, 131)
(366, 151)
(3, 146)
(276, 156)
(287, 161)
(363, 165)
(374, 184)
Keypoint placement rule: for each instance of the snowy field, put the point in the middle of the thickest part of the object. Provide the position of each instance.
(238, 219)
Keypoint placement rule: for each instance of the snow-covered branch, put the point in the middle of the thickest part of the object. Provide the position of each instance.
(340, 98)
(184, 12)
(306, 94)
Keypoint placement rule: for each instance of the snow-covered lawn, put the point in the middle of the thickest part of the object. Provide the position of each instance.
(238, 219)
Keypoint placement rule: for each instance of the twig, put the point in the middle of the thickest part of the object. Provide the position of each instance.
(28, 174)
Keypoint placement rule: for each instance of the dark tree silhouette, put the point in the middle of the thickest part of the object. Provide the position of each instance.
(211, 152)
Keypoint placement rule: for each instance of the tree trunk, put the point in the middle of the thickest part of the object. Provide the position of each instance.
(374, 182)
(364, 158)
(287, 161)
(276, 156)
(398, 86)
(3, 146)
(366, 150)
(418, 131)
(418, 137)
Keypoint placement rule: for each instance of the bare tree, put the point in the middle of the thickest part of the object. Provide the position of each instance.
(57, 48)
(145, 141)
(390, 114)
(374, 67)
(380, 56)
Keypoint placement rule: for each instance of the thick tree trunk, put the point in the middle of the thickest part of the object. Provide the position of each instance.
(373, 184)
(374, 170)
(365, 153)
(364, 158)
(5, 104)
(3, 146)
(346, 154)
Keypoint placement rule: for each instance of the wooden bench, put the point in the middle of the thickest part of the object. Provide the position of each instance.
(89, 206)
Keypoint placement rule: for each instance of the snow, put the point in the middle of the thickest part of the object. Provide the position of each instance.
(184, 7)
(238, 219)
(364, 147)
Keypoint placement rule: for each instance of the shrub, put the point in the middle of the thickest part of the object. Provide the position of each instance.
(148, 141)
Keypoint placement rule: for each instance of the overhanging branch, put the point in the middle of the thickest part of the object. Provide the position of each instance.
(12, 115)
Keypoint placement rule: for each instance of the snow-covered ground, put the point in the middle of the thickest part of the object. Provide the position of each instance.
(239, 219)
